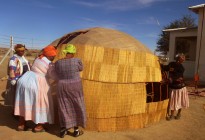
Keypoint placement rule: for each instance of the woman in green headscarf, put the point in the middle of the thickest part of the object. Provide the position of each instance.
(70, 92)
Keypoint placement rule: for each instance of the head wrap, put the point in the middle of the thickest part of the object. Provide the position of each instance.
(19, 47)
(70, 48)
(180, 55)
(49, 51)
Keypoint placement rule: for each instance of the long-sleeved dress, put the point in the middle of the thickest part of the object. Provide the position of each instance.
(178, 94)
(33, 100)
(18, 65)
(70, 93)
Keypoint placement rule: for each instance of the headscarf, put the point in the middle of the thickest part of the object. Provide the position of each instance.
(49, 51)
(180, 55)
(19, 47)
(70, 48)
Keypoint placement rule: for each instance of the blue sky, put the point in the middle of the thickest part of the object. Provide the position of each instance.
(37, 23)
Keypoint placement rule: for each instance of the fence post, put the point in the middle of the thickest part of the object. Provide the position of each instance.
(10, 51)
(11, 46)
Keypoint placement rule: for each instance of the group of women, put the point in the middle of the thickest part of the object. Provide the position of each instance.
(33, 99)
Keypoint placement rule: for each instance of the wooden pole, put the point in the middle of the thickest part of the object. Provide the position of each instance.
(9, 51)
(11, 46)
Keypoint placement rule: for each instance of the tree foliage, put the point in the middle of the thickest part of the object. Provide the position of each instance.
(163, 41)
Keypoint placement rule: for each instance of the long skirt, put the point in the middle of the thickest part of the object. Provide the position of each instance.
(178, 99)
(10, 94)
(33, 100)
(71, 106)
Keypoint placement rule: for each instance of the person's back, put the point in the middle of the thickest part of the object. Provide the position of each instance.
(70, 92)
(33, 100)
(69, 68)
(40, 66)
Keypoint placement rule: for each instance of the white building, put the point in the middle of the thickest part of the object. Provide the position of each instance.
(190, 41)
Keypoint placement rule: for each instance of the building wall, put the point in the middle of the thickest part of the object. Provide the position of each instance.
(189, 65)
(200, 58)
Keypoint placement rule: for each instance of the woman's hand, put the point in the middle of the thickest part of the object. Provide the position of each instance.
(13, 82)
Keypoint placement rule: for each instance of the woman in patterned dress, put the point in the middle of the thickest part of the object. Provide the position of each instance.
(18, 65)
(71, 105)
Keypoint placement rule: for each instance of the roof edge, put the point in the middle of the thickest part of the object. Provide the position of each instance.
(196, 8)
(179, 29)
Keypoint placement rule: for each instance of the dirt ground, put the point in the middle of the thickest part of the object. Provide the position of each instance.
(190, 127)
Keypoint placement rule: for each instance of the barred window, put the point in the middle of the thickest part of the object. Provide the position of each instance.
(187, 46)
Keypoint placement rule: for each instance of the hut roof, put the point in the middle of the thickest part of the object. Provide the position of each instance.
(111, 56)
(103, 37)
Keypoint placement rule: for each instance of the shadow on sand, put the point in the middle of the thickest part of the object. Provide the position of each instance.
(8, 119)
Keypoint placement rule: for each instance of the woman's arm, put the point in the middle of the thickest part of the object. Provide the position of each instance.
(80, 65)
(51, 73)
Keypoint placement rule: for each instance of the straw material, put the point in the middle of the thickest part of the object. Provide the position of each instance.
(105, 100)
(103, 37)
(116, 67)
(129, 122)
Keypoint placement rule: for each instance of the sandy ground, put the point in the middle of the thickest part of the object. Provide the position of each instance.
(190, 127)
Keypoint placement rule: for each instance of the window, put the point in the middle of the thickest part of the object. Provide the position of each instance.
(187, 46)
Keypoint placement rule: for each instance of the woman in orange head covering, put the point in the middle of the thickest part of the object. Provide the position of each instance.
(33, 101)
(50, 52)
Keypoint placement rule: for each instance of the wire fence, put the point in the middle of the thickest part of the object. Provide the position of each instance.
(30, 43)
(7, 44)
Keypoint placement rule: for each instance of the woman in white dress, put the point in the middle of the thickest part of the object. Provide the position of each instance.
(33, 100)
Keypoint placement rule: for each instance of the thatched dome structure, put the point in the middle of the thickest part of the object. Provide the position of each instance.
(116, 68)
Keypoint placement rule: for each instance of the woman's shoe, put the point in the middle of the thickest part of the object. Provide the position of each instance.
(169, 118)
(63, 132)
(178, 116)
(21, 128)
(78, 133)
(38, 129)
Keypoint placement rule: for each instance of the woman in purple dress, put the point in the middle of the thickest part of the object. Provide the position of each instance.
(70, 92)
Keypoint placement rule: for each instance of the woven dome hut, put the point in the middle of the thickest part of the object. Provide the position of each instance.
(116, 70)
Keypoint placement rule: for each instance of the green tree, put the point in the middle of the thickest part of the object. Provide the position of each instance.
(163, 41)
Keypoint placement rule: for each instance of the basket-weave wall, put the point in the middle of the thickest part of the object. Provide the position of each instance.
(116, 67)
(155, 111)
